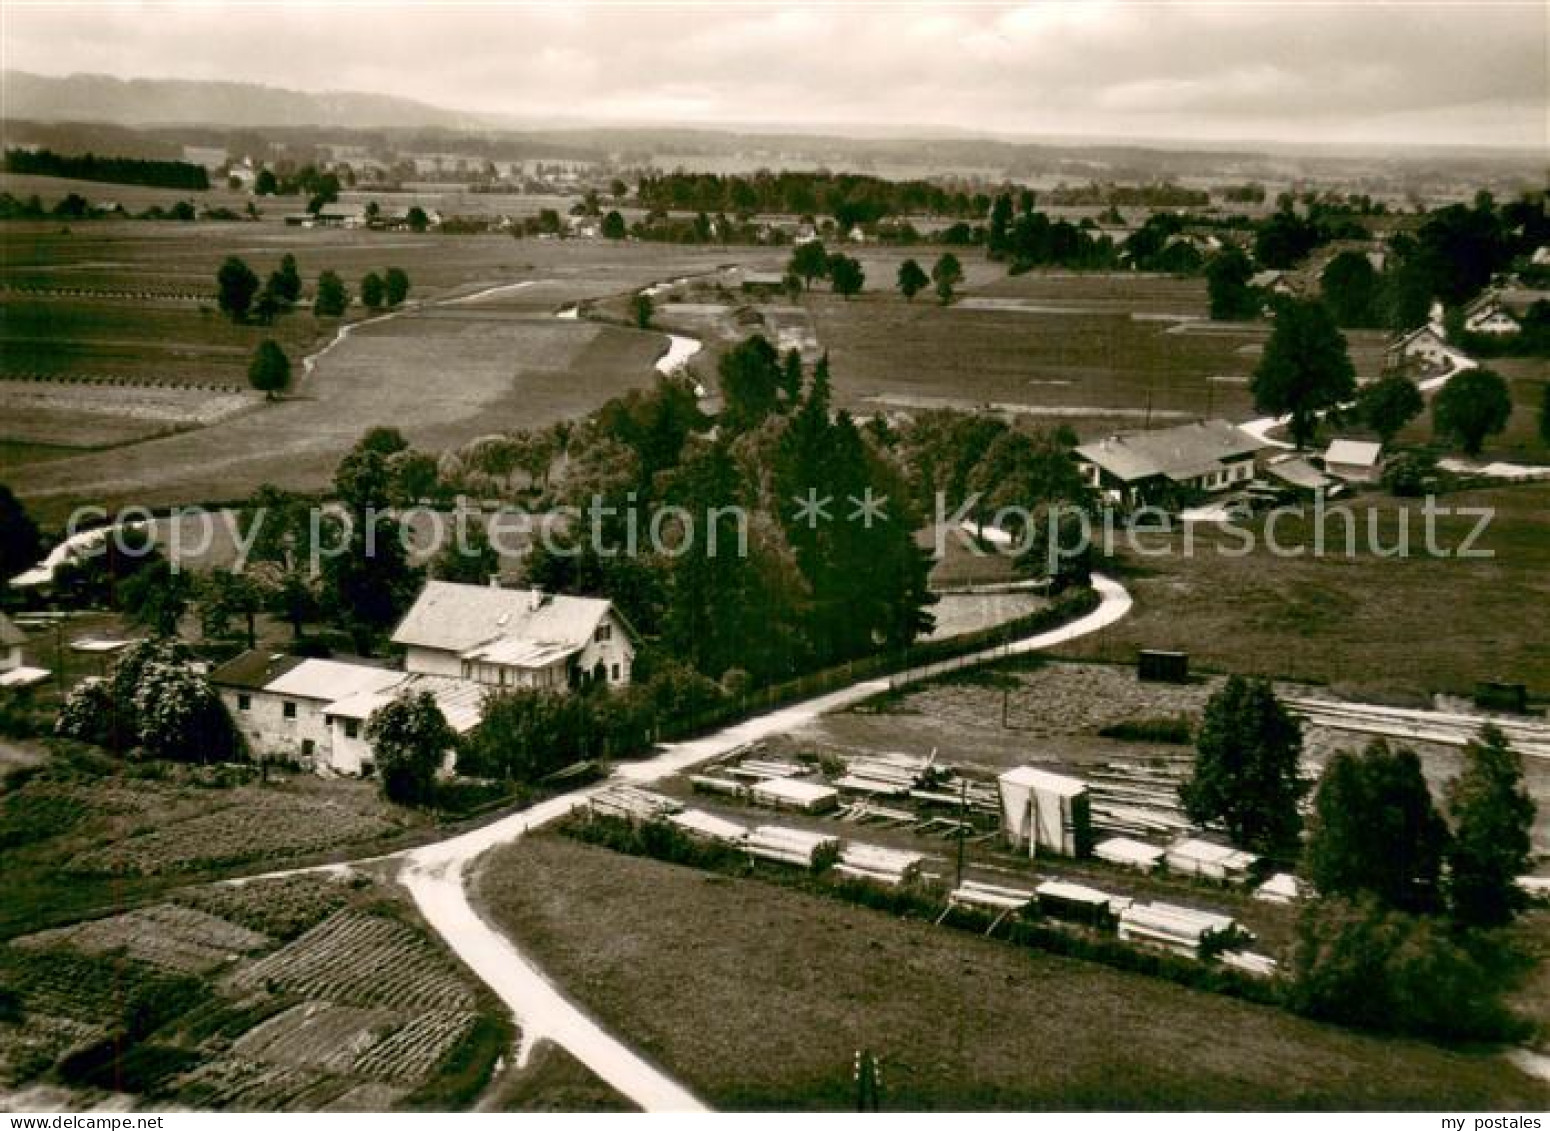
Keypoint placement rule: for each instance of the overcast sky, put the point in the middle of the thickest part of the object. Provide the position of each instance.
(1405, 72)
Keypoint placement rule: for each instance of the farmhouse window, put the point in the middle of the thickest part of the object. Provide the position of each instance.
(352, 728)
(616, 673)
(604, 632)
(244, 702)
(288, 709)
(307, 747)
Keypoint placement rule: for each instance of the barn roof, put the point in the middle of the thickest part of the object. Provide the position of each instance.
(255, 669)
(1356, 453)
(452, 617)
(1183, 452)
(330, 680)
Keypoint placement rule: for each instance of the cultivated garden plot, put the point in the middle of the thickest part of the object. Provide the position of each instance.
(361, 1010)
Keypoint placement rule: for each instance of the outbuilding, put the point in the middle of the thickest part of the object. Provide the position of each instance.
(1040, 809)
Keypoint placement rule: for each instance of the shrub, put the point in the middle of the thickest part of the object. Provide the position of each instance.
(1358, 963)
(1178, 729)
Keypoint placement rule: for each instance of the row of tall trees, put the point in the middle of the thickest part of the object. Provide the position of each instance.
(850, 198)
(1398, 934)
(241, 296)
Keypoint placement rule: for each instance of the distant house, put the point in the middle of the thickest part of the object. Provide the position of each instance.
(1274, 282)
(1488, 315)
(1357, 461)
(515, 637)
(763, 283)
(1426, 345)
(1541, 256)
(1209, 455)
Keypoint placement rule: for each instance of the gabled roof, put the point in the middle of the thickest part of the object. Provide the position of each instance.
(1298, 472)
(1356, 453)
(1043, 780)
(255, 670)
(451, 617)
(461, 700)
(1485, 301)
(330, 680)
(1424, 330)
(1183, 452)
(9, 634)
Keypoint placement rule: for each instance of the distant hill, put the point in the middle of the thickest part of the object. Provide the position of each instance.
(164, 102)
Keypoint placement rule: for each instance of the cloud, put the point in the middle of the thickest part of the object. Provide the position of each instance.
(1398, 72)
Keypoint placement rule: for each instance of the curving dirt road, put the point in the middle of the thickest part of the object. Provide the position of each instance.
(436, 874)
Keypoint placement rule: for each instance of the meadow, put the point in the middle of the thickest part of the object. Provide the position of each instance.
(455, 364)
(764, 1003)
(1370, 626)
(1095, 351)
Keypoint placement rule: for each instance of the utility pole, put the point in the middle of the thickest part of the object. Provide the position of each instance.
(963, 825)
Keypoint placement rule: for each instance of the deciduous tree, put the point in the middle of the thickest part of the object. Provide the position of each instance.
(396, 280)
(20, 544)
(809, 261)
(846, 276)
(409, 738)
(1227, 284)
(1305, 368)
(1375, 831)
(912, 279)
(373, 292)
(1473, 404)
(1246, 761)
(236, 287)
(332, 298)
(946, 273)
(1388, 404)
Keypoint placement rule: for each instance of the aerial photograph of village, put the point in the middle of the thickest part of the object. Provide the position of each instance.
(819, 556)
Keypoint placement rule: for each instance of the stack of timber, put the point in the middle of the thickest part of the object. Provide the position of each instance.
(1528, 737)
(886, 774)
(1131, 799)
(989, 897)
(762, 769)
(870, 812)
(707, 826)
(1257, 965)
(1181, 930)
(726, 787)
(1283, 887)
(1129, 853)
(795, 794)
(789, 846)
(887, 866)
(632, 804)
(1190, 856)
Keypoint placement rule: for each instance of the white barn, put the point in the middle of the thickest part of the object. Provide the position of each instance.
(1044, 810)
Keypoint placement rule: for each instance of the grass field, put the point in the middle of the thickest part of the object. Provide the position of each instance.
(1366, 624)
(445, 373)
(758, 997)
(1095, 351)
